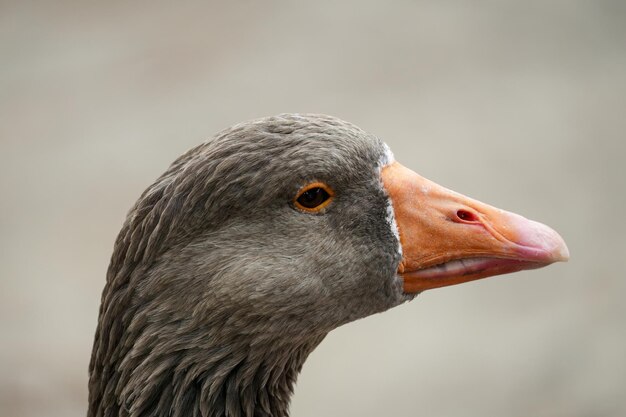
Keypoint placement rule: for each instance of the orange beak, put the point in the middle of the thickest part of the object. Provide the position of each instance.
(449, 239)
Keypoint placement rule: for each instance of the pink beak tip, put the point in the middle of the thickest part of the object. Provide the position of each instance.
(538, 236)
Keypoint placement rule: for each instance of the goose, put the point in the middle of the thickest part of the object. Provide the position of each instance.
(235, 264)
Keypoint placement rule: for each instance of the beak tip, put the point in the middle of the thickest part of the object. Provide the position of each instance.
(559, 251)
(538, 236)
(562, 252)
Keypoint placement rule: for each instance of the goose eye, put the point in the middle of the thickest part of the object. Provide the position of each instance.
(314, 197)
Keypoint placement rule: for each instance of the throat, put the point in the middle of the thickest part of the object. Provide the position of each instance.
(241, 381)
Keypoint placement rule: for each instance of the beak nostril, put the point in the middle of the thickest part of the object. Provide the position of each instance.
(466, 216)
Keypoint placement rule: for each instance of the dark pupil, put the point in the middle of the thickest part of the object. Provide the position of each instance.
(313, 197)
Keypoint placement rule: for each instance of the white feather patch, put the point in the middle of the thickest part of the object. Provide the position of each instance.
(386, 159)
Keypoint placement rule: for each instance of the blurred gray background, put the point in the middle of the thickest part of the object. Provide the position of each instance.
(520, 104)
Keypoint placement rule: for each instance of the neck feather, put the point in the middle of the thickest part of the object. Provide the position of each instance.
(139, 369)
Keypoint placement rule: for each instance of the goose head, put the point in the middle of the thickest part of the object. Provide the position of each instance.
(233, 266)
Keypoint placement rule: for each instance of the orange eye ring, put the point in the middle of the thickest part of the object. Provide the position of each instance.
(313, 197)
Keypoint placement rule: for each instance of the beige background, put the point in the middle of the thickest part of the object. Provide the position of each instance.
(520, 104)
